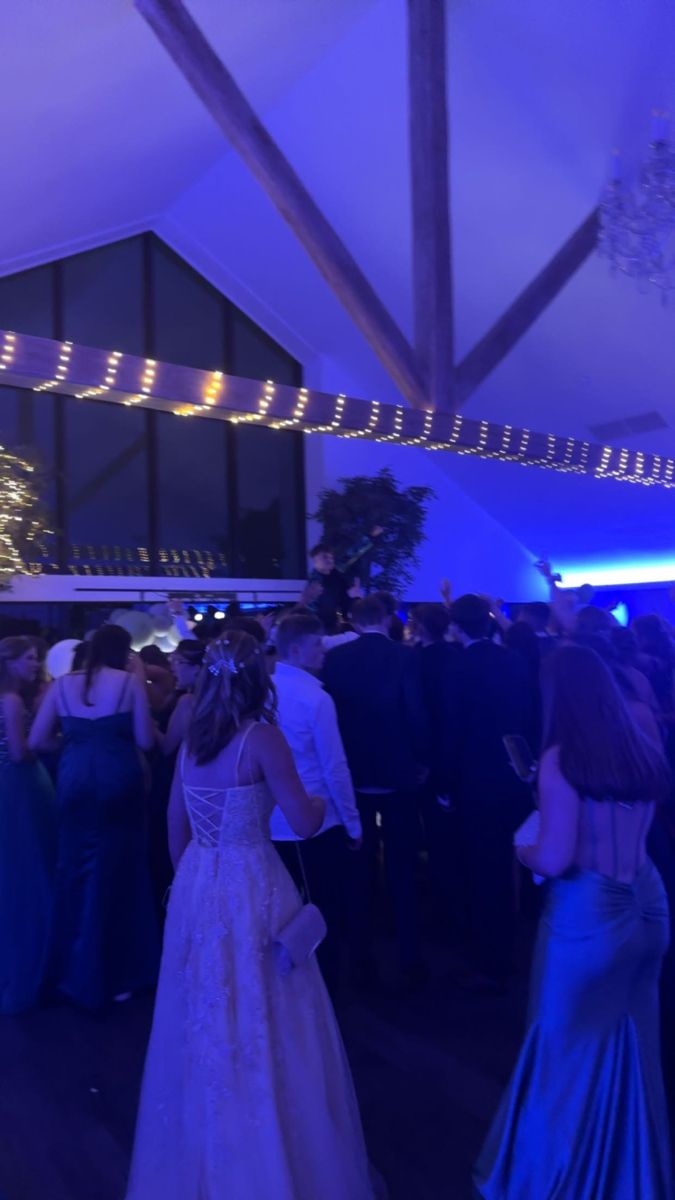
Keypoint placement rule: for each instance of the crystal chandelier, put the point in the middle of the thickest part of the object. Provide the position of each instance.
(637, 224)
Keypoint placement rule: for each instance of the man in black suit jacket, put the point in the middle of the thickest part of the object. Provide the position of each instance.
(488, 693)
(376, 686)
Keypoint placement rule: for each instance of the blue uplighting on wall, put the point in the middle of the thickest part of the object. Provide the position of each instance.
(619, 574)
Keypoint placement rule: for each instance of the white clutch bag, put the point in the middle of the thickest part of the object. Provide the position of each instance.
(299, 939)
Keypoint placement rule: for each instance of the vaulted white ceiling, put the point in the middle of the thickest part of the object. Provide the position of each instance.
(104, 137)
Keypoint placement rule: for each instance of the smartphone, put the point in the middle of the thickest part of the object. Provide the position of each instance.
(521, 757)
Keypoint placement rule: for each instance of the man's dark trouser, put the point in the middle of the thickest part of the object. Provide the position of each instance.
(326, 862)
(400, 834)
(488, 877)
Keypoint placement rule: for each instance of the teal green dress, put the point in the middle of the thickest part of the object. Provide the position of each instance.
(27, 862)
(584, 1117)
(106, 938)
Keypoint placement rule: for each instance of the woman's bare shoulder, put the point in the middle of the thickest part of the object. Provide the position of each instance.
(268, 739)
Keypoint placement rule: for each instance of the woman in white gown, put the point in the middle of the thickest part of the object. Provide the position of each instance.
(247, 1093)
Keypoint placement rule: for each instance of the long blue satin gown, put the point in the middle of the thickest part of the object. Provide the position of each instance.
(106, 939)
(584, 1117)
(27, 863)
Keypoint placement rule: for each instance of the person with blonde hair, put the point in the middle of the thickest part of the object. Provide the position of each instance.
(27, 837)
(247, 1091)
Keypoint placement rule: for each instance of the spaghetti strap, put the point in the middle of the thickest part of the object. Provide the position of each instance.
(242, 743)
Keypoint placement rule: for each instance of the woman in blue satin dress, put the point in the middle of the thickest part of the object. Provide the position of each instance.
(106, 939)
(27, 838)
(584, 1117)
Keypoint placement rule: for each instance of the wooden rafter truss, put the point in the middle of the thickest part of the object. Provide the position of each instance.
(427, 375)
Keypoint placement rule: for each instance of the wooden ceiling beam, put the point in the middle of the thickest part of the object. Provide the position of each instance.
(211, 81)
(432, 263)
(526, 308)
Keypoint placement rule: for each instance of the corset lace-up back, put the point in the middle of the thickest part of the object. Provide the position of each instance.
(238, 815)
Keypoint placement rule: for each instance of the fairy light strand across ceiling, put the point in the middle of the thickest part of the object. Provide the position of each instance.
(109, 375)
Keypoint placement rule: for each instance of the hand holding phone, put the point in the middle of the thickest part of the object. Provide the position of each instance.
(521, 757)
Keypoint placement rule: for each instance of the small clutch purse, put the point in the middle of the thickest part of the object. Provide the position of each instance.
(297, 941)
(302, 935)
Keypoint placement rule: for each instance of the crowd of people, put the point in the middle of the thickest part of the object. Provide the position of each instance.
(259, 799)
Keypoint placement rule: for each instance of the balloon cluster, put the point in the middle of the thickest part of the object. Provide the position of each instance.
(156, 627)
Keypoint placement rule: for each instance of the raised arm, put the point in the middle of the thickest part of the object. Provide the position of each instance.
(555, 849)
(304, 813)
(563, 603)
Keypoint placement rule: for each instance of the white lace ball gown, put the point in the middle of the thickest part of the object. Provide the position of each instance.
(247, 1093)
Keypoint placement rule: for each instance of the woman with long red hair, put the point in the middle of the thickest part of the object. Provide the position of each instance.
(585, 1116)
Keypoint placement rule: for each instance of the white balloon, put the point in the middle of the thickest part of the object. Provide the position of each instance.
(161, 618)
(138, 625)
(164, 644)
(59, 659)
(173, 635)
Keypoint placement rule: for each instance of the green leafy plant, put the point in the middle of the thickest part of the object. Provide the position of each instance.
(362, 503)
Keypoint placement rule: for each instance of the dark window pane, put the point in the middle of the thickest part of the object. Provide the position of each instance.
(188, 314)
(106, 481)
(269, 540)
(192, 491)
(103, 297)
(256, 356)
(26, 302)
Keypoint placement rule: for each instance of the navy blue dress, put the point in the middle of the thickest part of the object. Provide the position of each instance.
(106, 940)
(27, 861)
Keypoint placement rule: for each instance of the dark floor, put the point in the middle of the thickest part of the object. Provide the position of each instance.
(428, 1070)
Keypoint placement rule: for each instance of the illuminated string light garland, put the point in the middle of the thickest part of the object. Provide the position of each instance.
(22, 532)
(213, 388)
(61, 372)
(188, 393)
(7, 352)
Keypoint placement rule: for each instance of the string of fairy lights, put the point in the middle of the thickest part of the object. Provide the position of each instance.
(132, 381)
(22, 532)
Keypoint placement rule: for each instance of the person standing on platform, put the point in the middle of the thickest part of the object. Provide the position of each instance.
(308, 720)
(376, 686)
(27, 838)
(332, 587)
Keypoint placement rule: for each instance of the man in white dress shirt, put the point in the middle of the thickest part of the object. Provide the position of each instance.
(308, 720)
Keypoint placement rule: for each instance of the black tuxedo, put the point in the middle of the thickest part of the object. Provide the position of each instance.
(377, 689)
(487, 693)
